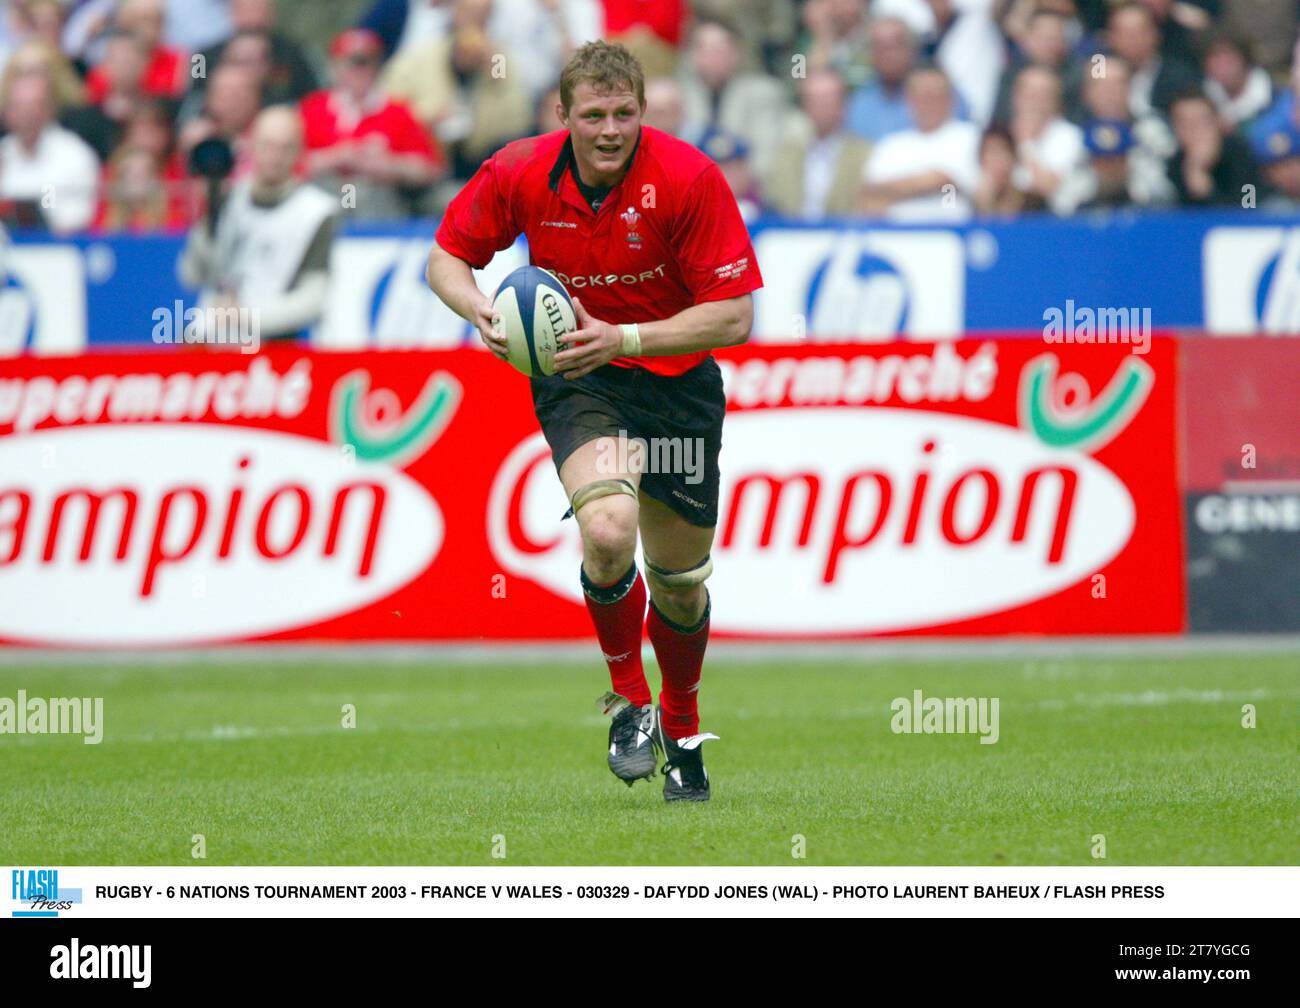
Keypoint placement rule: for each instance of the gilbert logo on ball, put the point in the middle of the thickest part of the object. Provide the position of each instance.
(533, 310)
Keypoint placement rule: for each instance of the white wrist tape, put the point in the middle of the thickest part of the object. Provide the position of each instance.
(631, 340)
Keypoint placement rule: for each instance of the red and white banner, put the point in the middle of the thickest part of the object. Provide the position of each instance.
(981, 486)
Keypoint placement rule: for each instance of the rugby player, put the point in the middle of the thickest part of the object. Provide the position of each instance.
(644, 233)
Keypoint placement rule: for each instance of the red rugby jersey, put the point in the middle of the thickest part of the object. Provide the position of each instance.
(668, 236)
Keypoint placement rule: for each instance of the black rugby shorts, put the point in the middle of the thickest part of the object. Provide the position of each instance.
(678, 416)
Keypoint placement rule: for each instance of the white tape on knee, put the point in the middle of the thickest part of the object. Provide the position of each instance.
(601, 488)
(688, 578)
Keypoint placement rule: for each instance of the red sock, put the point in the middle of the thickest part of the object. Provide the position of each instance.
(618, 611)
(680, 651)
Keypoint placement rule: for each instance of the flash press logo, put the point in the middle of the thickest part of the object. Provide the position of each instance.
(37, 890)
(75, 961)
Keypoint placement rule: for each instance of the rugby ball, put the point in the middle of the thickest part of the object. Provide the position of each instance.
(532, 310)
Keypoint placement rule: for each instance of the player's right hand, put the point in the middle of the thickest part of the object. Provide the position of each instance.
(488, 323)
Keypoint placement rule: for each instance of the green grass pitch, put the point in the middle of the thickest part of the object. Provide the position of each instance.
(1150, 752)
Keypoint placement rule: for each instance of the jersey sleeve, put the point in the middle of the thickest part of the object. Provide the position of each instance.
(715, 254)
(478, 222)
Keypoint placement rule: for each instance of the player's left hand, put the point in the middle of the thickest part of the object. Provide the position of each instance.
(591, 345)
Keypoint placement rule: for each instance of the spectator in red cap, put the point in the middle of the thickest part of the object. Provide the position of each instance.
(357, 136)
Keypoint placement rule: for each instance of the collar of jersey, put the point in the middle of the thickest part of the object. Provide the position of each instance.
(560, 169)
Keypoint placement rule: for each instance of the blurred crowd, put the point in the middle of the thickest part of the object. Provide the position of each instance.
(915, 110)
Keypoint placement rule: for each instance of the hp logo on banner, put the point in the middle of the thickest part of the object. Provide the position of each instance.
(864, 286)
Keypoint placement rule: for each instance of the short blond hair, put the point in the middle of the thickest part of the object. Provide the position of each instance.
(606, 66)
(65, 86)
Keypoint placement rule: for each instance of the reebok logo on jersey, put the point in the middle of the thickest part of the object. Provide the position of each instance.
(558, 223)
